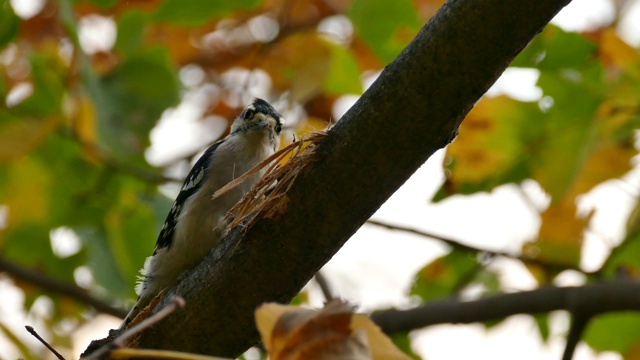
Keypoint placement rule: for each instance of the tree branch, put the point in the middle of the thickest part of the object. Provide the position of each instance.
(579, 323)
(461, 246)
(412, 110)
(324, 286)
(588, 300)
(56, 286)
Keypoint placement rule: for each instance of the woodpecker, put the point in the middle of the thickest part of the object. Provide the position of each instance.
(195, 222)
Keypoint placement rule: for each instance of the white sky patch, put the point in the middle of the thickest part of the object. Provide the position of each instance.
(342, 104)
(192, 76)
(612, 205)
(263, 28)
(629, 25)
(183, 130)
(245, 84)
(583, 15)
(518, 83)
(19, 93)
(27, 9)
(83, 277)
(64, 242)
(338, 27)
(96, 33)
(570, 278)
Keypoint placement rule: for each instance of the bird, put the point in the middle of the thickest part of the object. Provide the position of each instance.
(195, 222)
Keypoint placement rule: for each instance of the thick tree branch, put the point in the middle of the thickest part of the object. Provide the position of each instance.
(412, 110)
(56, 286)
(587, 301)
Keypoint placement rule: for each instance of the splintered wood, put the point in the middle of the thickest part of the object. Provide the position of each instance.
(268, 197)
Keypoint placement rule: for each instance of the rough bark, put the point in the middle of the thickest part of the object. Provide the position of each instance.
(412, 110)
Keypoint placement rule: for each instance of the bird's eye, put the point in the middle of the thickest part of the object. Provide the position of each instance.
(248, 114)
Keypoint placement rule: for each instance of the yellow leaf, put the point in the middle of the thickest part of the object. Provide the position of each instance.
(561, 233)
(27, 193)
(380, 345)
(17, 138)
(85, 121)
(614, 50)
(487, 142)
(606, 162)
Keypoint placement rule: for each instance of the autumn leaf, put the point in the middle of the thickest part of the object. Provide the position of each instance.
(334, 332)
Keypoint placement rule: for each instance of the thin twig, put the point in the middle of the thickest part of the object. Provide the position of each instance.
(56, 286)
(158, 354)
(528, 201)
(33, 332)
(175, 303)
(578, 325)
(460, 246)
(324, 286)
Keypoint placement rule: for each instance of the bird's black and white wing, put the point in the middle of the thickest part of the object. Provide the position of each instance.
(192, 183)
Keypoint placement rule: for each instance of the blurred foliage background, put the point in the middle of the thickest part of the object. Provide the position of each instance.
(105, 103)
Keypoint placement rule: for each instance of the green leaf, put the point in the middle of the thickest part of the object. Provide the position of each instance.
(104, 3)
(101, 261)
(131, 99)
(542, 320)
(130, 31)
(571, 126)
(504, 140)
(489, 280)
(28, 245)
(496, 145)
(48, 89)
(131, 232)
(613, 332)
(344, 74)
(625, 259)
(385, 26)
(8, 24)
(403, 342)
(442, 277)
(300, 299)
(197, 12)
(565, 49)
(555, 49)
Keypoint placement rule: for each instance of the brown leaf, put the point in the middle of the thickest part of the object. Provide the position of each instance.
(291, 332)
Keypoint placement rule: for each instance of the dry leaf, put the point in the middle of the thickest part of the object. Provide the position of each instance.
(292, 332)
